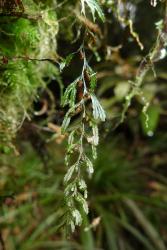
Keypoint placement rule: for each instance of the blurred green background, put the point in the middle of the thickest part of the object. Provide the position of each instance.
(128, 191)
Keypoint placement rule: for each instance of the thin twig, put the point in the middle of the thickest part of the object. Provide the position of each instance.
(21, 15)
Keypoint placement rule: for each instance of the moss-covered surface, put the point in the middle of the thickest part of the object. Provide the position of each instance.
(26, 45)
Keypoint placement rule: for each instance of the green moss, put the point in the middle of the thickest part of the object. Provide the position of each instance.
(23, 40)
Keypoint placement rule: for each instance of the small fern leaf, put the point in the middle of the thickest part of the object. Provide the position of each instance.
(65, 124)
(98, 111)
(69, 173)
(70, 95)
(94, 8)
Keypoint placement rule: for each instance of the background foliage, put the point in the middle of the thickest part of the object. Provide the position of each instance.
(119, 49)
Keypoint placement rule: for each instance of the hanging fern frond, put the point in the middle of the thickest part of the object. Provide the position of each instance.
(76, 189)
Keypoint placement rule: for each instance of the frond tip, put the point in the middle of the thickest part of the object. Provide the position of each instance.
(94, 7)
